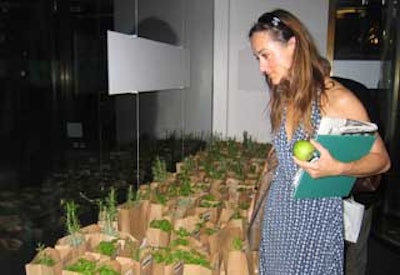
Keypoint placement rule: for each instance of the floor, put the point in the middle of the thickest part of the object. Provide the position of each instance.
(382, 259)
(384, 247)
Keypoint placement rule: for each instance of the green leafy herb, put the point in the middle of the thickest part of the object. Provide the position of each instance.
(133, 249)
(237, 243)
(210, 231)
(82, 266)
(169, 256)
(210, 204)
(185, 187)
(160, 198)
(182, 232)
(163, 225)
(106, 270)
(179, 241)
(191, 257)
(236, 215)
(72, 222)
(130, 197)
(108, 211)
(108, 248)
(244, 205)
(143, 193)
(159, 170)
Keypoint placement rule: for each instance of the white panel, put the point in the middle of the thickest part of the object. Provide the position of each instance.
(137, 64)
(365, 71)
(249, 77)
(199, 33)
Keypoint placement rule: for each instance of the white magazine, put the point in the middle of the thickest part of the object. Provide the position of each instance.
(342, 126)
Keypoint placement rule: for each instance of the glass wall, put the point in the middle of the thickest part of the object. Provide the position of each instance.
(360, 30)
(388, 225)
(62, 136)
(369, 31)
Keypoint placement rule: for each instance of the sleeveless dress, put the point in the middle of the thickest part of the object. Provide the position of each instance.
(299, 236)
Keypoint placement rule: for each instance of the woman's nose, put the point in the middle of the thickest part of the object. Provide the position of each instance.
(263, 66)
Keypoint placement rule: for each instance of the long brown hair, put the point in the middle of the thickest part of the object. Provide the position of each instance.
(305, 80)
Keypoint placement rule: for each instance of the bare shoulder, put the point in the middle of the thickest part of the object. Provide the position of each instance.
(341, 102)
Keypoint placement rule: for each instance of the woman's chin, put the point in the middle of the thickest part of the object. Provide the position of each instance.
(275, 81)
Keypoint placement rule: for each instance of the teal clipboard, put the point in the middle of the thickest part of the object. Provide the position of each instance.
(345, 148)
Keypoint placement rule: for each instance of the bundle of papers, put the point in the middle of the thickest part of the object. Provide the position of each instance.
(343, 126)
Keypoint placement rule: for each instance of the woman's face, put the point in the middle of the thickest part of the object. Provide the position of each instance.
(274, 57)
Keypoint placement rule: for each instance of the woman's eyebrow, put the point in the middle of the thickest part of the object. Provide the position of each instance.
(261, 51)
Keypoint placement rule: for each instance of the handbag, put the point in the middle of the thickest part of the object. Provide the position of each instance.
(367, 184)
(255, 224)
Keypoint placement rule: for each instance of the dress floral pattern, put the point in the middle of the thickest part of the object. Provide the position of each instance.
(300, 236)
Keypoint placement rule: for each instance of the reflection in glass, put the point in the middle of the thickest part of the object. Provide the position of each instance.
(359, 31)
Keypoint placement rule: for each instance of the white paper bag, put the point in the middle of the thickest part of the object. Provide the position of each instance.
(353, 213)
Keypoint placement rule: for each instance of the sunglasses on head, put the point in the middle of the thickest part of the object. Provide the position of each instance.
(272, 20)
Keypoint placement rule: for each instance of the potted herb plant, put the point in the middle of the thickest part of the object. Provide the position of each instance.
(46, 261)
(158, 233)
(74, 244)
(108, 214)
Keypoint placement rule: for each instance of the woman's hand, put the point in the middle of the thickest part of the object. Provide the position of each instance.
(324, 165)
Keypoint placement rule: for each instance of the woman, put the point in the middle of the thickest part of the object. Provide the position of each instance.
(303, 236)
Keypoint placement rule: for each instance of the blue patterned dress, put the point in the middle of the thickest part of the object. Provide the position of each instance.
(300, 236)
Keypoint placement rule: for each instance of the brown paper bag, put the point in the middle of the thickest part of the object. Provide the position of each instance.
(215, 263)
(188, 223)
(67, 251)
(237, 263)
(39, 269)
(157, 237)
(226, 214)
(213, 244)
(146, 264)
(250, 182)
(253, 261)
(139, 218)
(155, 212)
(180, 206)
(127, 265)
(113, 264)
(143, 267)
(210, 214)
(227, 235)
(91, 228)
(125, 214)
(211, 240)
(238, 223)
(94, 239)
(190, 269)
(163, 269)
(192, 245)
(73, 261)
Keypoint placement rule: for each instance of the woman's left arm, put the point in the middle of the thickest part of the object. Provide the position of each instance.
(343, 103)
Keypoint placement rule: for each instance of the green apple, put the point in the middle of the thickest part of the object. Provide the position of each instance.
(303, 150)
